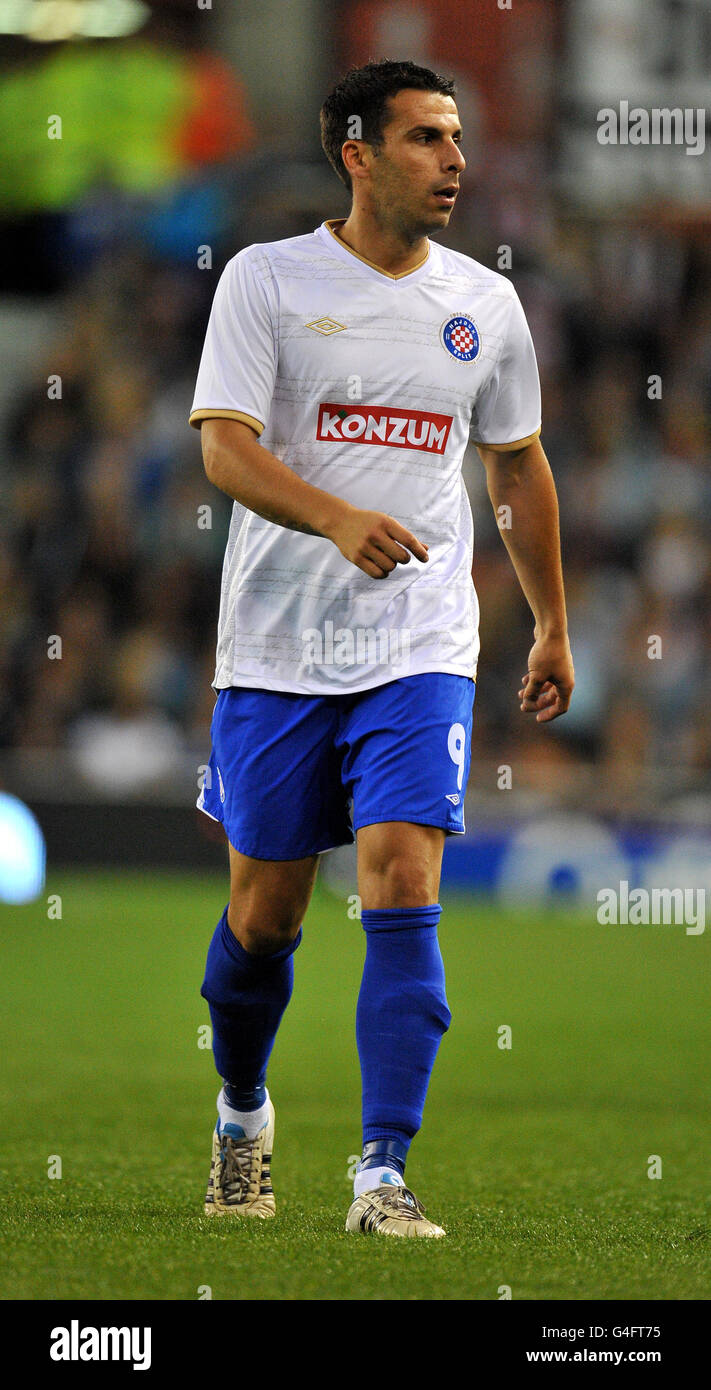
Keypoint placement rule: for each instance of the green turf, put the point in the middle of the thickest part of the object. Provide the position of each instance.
(535, 1159)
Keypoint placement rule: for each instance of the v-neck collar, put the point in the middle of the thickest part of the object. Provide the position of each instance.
(331, 236)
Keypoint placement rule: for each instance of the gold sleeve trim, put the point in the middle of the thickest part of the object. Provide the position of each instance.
(515, 444)
(198, 416)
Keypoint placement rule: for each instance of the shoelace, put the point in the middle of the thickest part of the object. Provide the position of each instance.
(239, 1157)
(397, 1198)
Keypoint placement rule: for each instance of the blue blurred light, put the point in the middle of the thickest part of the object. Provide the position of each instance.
(22, 852)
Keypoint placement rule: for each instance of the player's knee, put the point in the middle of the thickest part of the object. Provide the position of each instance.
(261, 941)
(262, 931)
(398, 882)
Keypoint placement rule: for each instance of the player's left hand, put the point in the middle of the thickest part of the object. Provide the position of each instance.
(550, 679)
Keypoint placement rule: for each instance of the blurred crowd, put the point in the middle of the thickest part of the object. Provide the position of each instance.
(621, 319)
(103, 542)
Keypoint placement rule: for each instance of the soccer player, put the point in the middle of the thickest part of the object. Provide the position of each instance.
(341, 377)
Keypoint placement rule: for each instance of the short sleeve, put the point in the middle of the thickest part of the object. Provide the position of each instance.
(507, 413)
(239, 358)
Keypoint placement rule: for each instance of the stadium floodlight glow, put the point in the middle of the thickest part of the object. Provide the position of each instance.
(51, 21)
(22, 852)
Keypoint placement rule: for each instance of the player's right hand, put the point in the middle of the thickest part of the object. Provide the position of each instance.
(375, 542)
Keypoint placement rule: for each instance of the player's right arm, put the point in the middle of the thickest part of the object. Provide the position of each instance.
(239, 465)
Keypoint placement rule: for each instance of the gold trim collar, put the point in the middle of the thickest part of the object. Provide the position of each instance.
(332, 222)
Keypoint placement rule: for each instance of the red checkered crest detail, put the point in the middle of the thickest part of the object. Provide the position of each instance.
(460, 336)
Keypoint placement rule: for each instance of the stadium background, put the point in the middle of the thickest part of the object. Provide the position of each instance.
(186, 128)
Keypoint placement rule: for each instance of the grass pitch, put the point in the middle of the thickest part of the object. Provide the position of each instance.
(535, 1158)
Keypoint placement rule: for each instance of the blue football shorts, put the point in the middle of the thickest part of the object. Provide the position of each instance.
(292, 775)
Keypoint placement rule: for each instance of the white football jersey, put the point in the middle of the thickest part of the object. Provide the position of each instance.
(368, 385)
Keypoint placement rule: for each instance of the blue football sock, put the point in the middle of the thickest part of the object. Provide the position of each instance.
(247, 995)
(401, 1016)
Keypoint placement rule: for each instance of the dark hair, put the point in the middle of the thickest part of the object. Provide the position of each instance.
(364, 92)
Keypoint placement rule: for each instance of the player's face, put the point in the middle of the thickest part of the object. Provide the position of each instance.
(415, 177)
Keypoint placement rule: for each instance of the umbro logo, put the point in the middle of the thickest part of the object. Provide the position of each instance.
(453, 797)
(326, 326)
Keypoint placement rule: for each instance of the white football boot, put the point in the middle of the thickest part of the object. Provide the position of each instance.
(240, 1173)
(390, 1210)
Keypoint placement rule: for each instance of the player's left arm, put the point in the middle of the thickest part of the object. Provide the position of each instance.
(520, 480)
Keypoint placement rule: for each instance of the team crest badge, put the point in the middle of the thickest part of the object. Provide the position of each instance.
(460, 336)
